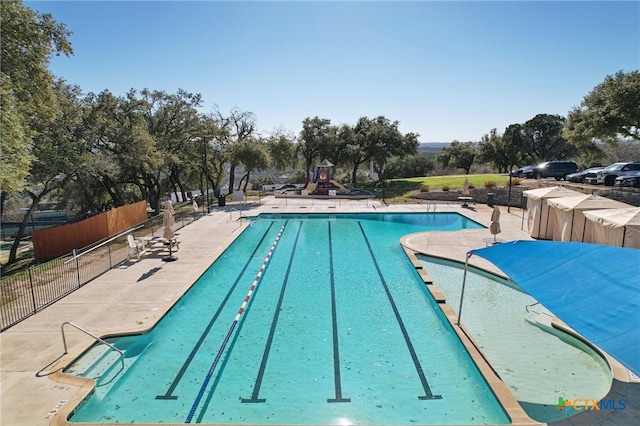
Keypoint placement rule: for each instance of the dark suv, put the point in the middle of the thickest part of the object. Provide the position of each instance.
(555, 169)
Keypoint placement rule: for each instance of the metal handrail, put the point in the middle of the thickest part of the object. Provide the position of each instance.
(128, 231)
(231, 210)
(77, 327)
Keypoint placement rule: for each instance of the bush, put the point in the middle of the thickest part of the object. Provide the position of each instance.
(489, 184)
(445, 188)
(514, 182)
(423, 188)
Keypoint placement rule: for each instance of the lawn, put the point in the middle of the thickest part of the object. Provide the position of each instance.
(399, 190)
(454, 182)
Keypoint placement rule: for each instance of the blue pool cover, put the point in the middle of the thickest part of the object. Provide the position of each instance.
(593, 288)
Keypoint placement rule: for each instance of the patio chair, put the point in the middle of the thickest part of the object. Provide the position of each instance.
(136, 247)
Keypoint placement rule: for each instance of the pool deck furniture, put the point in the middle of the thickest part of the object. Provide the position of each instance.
(465, 201)
(133, 296)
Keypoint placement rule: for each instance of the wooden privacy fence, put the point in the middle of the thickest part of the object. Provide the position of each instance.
(30, 291)
(51, 243)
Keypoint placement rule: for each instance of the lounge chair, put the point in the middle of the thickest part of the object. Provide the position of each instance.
(136, 247)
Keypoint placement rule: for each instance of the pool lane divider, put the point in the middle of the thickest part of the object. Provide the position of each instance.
(274, 323)
(334, 321)
(241, 310)
(423, 380)
(169, 393)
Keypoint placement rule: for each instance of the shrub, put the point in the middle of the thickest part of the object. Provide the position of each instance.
(445, 188)
(514, 182)
(489, 184)
(424, 188)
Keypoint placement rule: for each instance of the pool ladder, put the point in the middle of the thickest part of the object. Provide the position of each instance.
(231, 210)
(88, 333)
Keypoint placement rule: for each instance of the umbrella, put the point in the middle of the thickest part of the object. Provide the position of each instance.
(494, 228)
(465, 187)
(168, 234)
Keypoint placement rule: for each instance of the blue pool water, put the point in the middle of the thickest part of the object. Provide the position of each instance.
(339, 330)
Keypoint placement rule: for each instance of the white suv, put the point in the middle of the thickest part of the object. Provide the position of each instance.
(608, 175)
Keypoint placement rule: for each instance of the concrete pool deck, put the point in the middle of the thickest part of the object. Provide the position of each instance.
(133, 296)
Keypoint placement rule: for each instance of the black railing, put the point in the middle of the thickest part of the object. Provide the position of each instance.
(28, 292)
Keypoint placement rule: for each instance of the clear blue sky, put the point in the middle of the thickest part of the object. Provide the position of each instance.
(446, 70)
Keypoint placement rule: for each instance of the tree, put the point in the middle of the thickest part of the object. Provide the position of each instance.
(281, 150)
(315, 135)
(609, 112)
(27, 43)
(459, 155)
(410, 166)
(353, 141)
(28, 40)
(56, 153)
(15, 143)
(237, 127)
(544, 139)
(492, 149)
(252, 154)
(382, 141)
(174, 124)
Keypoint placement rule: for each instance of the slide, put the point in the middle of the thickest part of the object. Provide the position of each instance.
(311, 186)
(339, 185)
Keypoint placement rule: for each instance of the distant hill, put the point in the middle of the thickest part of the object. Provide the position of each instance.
(434, 144)
(430, 149)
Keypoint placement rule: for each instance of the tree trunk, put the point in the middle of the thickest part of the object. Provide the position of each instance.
(13, 253)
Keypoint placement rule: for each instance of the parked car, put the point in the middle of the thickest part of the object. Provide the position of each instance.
(555, 169)
(286, 187)
(632, 180)
(580, 176)
(608, 175)
(522, 172)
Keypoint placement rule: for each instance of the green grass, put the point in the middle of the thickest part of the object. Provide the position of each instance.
(454, 182)
(400, 190)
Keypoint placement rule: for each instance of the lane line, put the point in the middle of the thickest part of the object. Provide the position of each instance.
(243, 306)
(265, 356)
(334, 323)
(169, 393)
(416, 362)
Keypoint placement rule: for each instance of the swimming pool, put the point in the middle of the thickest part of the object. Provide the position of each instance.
(339, 329)
(538, 366)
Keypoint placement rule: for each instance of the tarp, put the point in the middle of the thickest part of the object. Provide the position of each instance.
(566, 218)
(593, 288)
(538, 209)
(614, 227)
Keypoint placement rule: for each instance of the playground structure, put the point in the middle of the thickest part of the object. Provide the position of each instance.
(324, 184)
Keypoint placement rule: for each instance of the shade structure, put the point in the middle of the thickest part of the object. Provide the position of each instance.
(538, 209)
(591, 287)
(566, 217)
(614, 227)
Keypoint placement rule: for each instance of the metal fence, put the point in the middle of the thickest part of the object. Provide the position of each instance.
(28, 292)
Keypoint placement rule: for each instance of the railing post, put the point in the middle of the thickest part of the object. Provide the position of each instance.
(75, 256)
(109, 252)
(33, 293)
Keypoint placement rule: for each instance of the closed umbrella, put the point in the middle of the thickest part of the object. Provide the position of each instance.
(168, 234)
(494, 228)
(465, 187)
